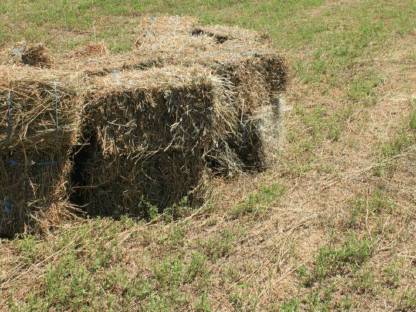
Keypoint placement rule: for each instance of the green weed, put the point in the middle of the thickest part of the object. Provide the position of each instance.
(363, 88)
(292, 305)
(345, 259)
(412, 122)
(219, 246)
(258, 203)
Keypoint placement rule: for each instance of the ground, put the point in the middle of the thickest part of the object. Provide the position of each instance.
(330, 227)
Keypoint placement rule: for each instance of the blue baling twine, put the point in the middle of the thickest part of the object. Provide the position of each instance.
(7, 206)
(14, 163)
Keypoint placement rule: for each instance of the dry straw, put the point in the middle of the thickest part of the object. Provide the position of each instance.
(36, 55)
(38, 127)
(93, 49)
(149, 133)
(144, 130)
(246, 59)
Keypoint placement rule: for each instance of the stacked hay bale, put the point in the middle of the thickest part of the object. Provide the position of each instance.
(257, 76)
(190, 101)
(246, 58)
(39, 125)
(92, 49)
(149, 133)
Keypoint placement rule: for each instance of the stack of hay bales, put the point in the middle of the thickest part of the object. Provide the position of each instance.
(39, 124)
(149, 132)
(256, 76)
(119, 134)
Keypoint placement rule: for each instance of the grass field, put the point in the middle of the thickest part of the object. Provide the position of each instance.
(330, 228)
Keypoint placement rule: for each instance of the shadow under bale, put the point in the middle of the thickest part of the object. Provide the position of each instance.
(150, 132)
(38, 127)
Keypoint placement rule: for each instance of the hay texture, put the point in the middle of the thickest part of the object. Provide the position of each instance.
(258, 78)
(188, 102)
(151, 27)
(36, 55)
(38, 127)
(92, 49)
(149, 133)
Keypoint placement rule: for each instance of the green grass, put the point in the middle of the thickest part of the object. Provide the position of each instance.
(258, 203)
(412, 122)
(397, 145)
(219, 246)
(94, 268)
(369, 207)
(363, 88)
(364, 282)
(331, 261)
(404, 139)
(407, 301)
(291, 305)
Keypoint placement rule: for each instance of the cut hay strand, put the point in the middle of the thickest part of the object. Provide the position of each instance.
(38, 127)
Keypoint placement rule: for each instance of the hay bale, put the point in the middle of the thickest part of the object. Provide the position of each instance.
(36, 55)
(226, 34)
(38, 126)
(260, 132)
(246, 58)
(257, 74)
(153, 27)
(93, 66)
(149, 133)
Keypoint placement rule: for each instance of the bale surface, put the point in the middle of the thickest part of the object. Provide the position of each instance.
(150, 132)
(154, 27)
(245, 58)
(151, 26)
(257, 74)
(38, 127)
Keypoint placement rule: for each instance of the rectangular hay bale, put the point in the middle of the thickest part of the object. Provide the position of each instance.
(256, 77)
(149, 133)
(39, 122)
